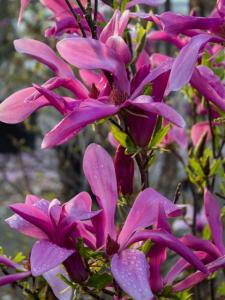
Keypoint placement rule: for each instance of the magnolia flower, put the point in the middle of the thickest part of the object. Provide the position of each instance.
(129, 265)
(110, 54)
(64, 20)
(53, 225)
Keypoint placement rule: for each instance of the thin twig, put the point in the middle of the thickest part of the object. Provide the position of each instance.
(76, 18)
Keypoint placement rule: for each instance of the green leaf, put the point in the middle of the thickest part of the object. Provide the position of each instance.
(221, 289)
(86, 252)
(123, 5)
(123, 139)
(147, 246)
(206, 232)
(159, 136)
(115, 4)
(100, 281)
(195, 165)
(19, 257)
(215, 167)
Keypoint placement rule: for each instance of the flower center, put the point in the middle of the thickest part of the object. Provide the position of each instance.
(117, 97)
(94, 92)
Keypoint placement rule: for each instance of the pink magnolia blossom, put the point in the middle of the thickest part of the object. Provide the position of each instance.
(52, 225)
(129, 266)
(87, 107)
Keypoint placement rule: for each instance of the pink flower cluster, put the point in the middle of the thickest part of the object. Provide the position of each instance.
(119, 79)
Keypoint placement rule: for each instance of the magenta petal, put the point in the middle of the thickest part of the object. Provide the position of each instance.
(14, 109)
(179, 267)
(21, 225)
(54, 99)
(144, 212)
(88, 53)
(34, 216)
(59, 7)
(55, 210)
(153, 3)
(32, 199)
(157, 256)
(44, 54)
(184, 64)
(7, 279)
(163, 68)
(196, 243)
(60, 289)
(160, 109)
(120, 47)
(100, 173)
(221, 7)
(79, 208)
(212, 87)
(212, 211)
(116, 25)
(46, 256)
(82, 201)
(165, 36)
(10, 263)
(131, 271)
(197, 277)
(176, 23)
(166, 239)
(124, 168)
(90, 112)
(198, 130)
(23, 6)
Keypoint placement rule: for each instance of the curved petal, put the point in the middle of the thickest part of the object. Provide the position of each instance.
(54, 99)
(14, 109)
(99, 170)
(179, 267)
(23, 6)
(177, 23)
(91, 112)
(144, 213)
(46, 256)
(163, 68)
(184, 63)
(203, 245)
(197, 277)
(87, 53)
(7, 279)
(210, 89)
(198, 130)
(10, 263)
(79, 208)
(161, 109)
(157, 256)
(60, 289)
(120, 47)
(124, 168)
(115, 26)
(44, 54)
(166, 239)
(32, 215)
(212, 211)
(131, 271)
(21, 225)
(165, 36)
